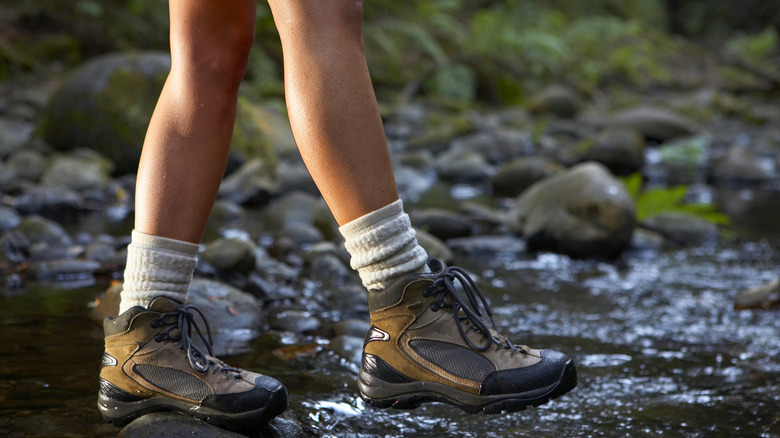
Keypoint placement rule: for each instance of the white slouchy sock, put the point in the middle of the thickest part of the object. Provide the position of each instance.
(383, 246)
(157, 266)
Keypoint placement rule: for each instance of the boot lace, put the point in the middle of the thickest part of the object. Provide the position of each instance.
(180, 323)
(466, 311)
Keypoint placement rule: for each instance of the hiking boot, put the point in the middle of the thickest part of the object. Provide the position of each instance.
(428, 342)
(151, 364)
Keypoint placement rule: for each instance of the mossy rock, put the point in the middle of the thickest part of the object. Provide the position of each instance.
(106, 105)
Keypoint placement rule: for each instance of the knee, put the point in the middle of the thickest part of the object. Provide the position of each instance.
(323, 22)
(218, 58)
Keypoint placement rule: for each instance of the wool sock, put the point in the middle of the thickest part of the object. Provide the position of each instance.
(383, 246)
(157, 266)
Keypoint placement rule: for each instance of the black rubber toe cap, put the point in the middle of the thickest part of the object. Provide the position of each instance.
(268, 393)
(543, 374)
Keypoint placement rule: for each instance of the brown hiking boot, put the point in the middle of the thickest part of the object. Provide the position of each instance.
(428, 343)
(151, 364)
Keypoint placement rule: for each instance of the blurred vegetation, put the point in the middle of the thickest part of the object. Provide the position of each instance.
(651, 202)
(455, 50)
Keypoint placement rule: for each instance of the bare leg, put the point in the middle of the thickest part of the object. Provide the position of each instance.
(188, 140)
(332, 107)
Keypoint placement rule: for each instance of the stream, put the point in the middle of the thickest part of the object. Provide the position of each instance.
(659, 348)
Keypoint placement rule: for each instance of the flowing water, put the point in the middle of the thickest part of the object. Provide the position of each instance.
(659, 348)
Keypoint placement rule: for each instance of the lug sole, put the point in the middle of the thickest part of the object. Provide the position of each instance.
(121, 413)
(381, 394)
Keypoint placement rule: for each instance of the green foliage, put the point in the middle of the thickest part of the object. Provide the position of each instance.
(668, 200)
(754, 49)
(686, 155)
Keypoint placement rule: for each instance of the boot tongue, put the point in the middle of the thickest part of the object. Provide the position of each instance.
(163, 305)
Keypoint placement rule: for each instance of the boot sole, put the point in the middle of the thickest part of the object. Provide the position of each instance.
(121, 413)
(411, 395)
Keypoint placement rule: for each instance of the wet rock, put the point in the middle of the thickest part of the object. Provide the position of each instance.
(281, 427)
(230, 254)
(517, 175)
(56, 202)
(226, 212)
(39, 230)
(441, 223)
(555, 99)
(439, 131)
(348, 347)
(683, 229)
(764, 296)
(296, 178)
(172, 424)
(105, 105)
(463, 167)
(9, 218)
(496, 146)
(488, 246)
(295, 321)
(14, 249)
(76, 173)
(251, 184)
(352, 327)
(739, 165)
(582, 212)
(655, 124)
(327, 269)
(621, 150)
(292, 208)
(434, 246)
(301, 234)
(101, 250)
(14, 134)
(647, 240)
(63, 270)
(26, 164)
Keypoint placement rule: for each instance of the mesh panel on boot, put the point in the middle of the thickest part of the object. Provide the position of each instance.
(459, 361)
(174, 381)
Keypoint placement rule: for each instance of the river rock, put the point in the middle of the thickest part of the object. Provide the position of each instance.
(226, 212)
(683, 229)
(230, 255)
(295, 321)
(488, 246)
(738, 165)
(582, 212)
(76, 173)
(9, 218)
(105, 105)
(57, 202)
(64, 271)
(621, 150)
(14, 134)
(496, 146)
(173, 424)
(292, 208)
(26, 164)
(252, 184)
(463, 166)
(517, 175)
(434, 246)
(656, 124)
(14, 249)
(560, 100)
(764, 296)
(441, 223)
(39, 230)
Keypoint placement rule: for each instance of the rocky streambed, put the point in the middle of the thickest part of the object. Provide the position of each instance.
(529, 199)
